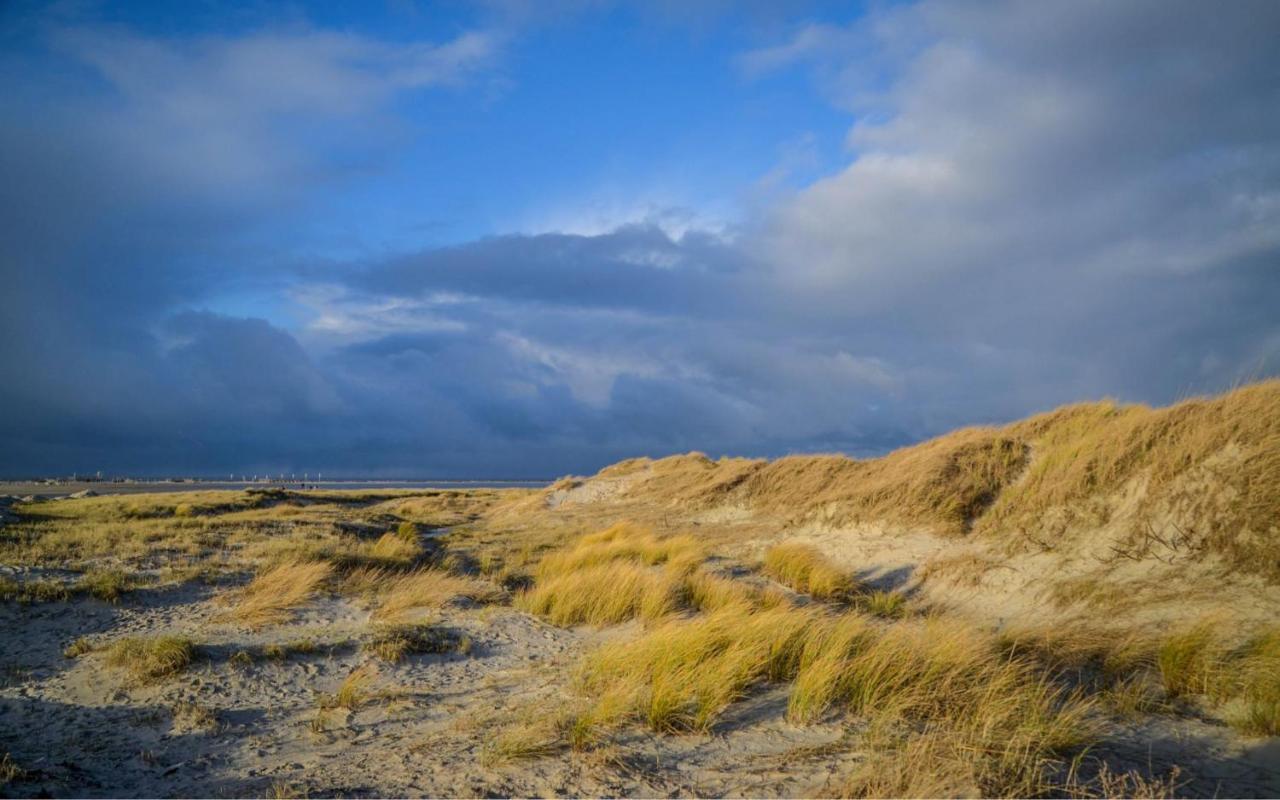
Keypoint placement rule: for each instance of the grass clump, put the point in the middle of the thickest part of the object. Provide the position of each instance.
(544, 736)
(805, 569)
(353, 691)
(78, 648)
(428, 588)
(104, 584)
(622, 541)
(271, 596)
(604, 594)
(626, 572)
(150, 659)
(683, 673)
(107, 585)
(41, 590)
(392, 548)
(193, 716)
(887, 605)
(1190, 661)
(394, 643)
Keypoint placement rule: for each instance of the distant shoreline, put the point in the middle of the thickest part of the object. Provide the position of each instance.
(40, 489)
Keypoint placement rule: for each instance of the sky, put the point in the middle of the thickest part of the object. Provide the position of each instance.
(528, 239)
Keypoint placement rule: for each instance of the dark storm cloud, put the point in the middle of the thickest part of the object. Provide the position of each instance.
(1042, 203)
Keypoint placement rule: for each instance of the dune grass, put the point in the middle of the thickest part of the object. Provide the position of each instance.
(540, 732)
(403, 595)
(621, 573)
(623, 541)
(395, 643)
(711, 640)
(108, 585)
(941, 685)
(150, 659)
(889, 605)
(604, 594)
(1206, 473)
(1244, 679)
(353, 691)
(1089, 450)
(805, 569)
(271, 597)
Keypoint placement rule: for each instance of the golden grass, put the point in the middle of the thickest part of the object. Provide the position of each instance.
(149, 659)
(805, 569)
(1191, 661)
(943, 685)
(1137, 672)
(544, 732)
(395, 549)
(429, 588)
(623, 541)
(42, 590)
(78, 648)
(889, 605)
(706, 591)
(1244, 678)
(621, 573)
(353, 690)
(270, 598)
(604, 594)
(102, 584)
(683, 673)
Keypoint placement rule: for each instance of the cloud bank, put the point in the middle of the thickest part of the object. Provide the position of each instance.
(1039, 204)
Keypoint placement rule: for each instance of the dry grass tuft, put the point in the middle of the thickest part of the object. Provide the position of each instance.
(271, 596)
(107, 585)
(683, 673)
(392, 548)
(192, 716)
(887, 605)
(625, 572)
(430, 588)
(149, 659)
(1191, 661)
(540, 736)
(353, 691)
(1244, 678)
(394, 643)
(78, 648)
(622, 542)
(805, 569)
(604, 594)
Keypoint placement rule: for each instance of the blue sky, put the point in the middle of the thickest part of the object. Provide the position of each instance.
(527, 239)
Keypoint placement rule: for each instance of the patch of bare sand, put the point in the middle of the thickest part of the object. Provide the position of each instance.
(248, 725)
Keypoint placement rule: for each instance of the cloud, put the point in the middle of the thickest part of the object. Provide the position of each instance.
(1040, 204)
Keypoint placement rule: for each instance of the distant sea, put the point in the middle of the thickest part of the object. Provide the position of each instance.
(39, 489)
